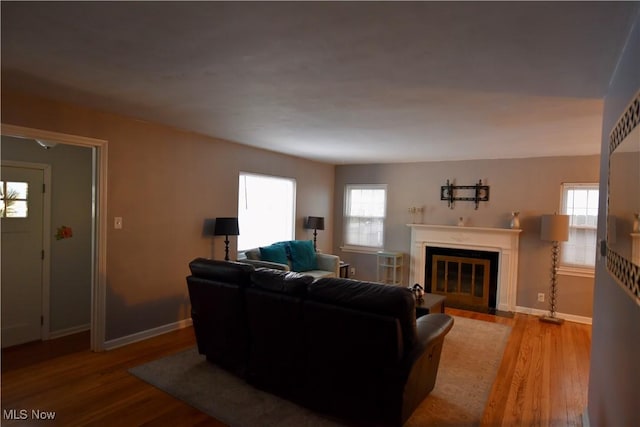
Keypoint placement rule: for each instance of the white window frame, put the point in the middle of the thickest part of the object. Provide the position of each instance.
(577, 269)
(278, 199)
(351, 247)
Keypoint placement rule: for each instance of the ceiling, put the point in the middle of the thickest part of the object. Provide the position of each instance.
(337, 82)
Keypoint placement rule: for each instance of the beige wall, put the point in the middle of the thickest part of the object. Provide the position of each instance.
(531, 186)
(164, 183)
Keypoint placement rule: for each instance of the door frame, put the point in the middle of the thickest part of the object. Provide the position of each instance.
(99, 218)
(46, 238)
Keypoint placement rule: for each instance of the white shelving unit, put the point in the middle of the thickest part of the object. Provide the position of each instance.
(390, 267)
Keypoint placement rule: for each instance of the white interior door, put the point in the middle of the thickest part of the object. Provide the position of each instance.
(21, 209)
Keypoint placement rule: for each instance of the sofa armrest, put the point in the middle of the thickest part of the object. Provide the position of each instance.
(432, 327)
(420, 367)
(266, 264)
(328, 262)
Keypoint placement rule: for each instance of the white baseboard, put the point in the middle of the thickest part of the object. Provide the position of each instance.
(69, 331)
(585, 418)
(570, 317)
(150, 333)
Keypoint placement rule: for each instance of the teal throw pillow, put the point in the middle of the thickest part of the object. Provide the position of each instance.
(303, 256)
(274, 253)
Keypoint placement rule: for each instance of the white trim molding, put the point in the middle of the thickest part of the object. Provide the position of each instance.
(149, 333)
(69, 331)
(577, 271)
(570, 317)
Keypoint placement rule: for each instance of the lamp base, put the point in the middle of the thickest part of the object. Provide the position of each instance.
(549, 319)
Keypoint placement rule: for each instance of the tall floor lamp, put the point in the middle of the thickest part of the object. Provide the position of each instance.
(226, 227)
(555, 228)
(316, 223)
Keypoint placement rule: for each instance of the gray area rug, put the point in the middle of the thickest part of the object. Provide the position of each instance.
(471, 357)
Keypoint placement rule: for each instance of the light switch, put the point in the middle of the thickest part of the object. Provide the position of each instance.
(117, 223)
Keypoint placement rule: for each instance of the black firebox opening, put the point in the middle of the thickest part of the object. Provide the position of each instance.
(493, 258)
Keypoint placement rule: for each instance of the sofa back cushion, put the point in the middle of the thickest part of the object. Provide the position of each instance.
(253, 254)
(352, 358)
(216, 291)
(276, 352)
(274, 253)
(230, 272)
(385, 300)
(283, 282)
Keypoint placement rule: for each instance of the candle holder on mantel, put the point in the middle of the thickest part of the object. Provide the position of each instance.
(416, 210)
(515, 220)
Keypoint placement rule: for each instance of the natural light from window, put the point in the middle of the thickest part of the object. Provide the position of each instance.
(580, 202)
(266, 210)
(13, 199)
(365, 210)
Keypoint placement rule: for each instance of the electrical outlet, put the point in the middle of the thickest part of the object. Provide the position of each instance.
(540, 297)
(352, 271)
(117, 223)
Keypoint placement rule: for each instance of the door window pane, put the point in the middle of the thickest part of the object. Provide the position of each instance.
(13, 198)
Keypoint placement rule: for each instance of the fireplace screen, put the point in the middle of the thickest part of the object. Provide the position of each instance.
(464, 281)
(468, 278)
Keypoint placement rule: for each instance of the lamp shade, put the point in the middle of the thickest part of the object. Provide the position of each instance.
(555, 228)
(226, 227)
(315, 222)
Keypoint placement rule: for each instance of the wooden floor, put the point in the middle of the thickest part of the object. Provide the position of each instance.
(542, 380)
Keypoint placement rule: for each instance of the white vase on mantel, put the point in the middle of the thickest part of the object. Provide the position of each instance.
(515, 220)
(461, 222)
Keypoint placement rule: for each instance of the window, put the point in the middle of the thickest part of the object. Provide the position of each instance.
(364, 214)
(580, 202)
(13, 199)
(266, 210)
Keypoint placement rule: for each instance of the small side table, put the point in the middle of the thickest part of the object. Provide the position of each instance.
(390, 267)
(344, 270)
(431, 303)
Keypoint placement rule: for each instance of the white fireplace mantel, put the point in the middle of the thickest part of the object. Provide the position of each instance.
(502, 240)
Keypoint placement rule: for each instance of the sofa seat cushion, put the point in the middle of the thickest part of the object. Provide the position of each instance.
(395, 301)
(274, 253)
(284, 282)
(303, 255)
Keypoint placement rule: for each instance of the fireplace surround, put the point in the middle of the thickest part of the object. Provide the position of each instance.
(501, 240)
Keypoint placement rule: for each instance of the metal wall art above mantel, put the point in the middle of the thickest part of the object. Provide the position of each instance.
(468, 193)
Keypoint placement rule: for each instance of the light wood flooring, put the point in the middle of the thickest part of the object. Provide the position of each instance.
(542, 380)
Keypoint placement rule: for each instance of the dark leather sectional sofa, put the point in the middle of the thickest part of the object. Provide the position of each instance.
(343, 347)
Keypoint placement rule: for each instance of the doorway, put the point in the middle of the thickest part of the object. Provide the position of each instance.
(22, 208)
(98, 222)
